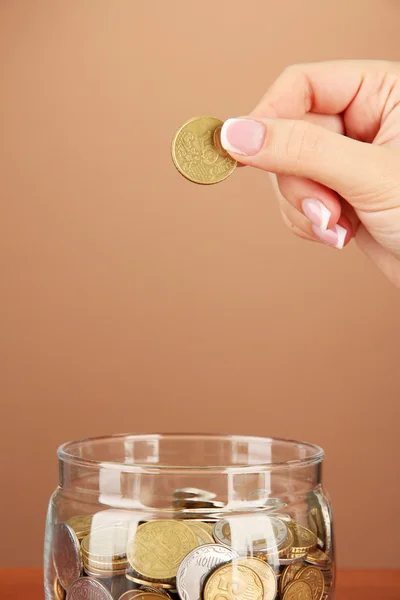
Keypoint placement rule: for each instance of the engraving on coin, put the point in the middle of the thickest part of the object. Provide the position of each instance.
(265, 573)
(86, 588)
(303, 539)
(159, 547)
(251, 534)
(315, 579)
(66, 554)
(196, 564)
(288, 575)
(233, 583)
(298, 590)
(197, 154)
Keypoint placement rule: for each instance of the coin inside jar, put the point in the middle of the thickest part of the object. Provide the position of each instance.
(298, 590)
(159, 547)
(315, 579)
(252, 534)
(85, 588)
(197, 564)
(233, 583)
(265, 573)
(66, 554)
(197, 152)
(304, 540)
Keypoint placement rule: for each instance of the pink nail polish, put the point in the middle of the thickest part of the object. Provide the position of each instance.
(334, 237)
(243, 136)
(316, 212)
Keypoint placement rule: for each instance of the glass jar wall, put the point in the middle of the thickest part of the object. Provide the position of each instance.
(190, 517)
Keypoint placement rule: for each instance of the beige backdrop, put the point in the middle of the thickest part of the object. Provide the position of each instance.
(134, 300)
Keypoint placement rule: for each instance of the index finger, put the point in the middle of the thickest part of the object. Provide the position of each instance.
(325, 88)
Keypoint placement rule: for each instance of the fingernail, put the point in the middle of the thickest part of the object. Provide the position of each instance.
(243, 136)
(316, 212)
(333, 237)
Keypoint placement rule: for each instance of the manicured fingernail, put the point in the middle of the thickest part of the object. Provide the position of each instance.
(333, 237)
(316, 212)
(243, 136)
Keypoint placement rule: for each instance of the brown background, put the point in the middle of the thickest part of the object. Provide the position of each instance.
(134, 300)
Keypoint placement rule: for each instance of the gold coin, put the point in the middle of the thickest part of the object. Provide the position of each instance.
(132, 576)
(288, 575)
(140, 595)
(313, 576)
(202, 535)
(58, 589)
(265, 573)
(206, 526)
(197, 152)
(304, 540)
(81, 524)
(102, 574)
(298, 590)
(317, 558)
(159, 547)
(118, 565)
(159, 591)
(233, 583)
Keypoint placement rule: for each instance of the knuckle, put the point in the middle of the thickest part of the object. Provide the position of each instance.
(302, 141)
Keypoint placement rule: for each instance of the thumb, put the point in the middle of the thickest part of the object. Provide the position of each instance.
(287, 147)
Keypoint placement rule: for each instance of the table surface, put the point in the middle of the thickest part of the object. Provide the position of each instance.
(22, 584)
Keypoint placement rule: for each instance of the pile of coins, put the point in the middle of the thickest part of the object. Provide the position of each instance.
(200, 553)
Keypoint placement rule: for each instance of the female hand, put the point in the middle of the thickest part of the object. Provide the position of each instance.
(330, 132)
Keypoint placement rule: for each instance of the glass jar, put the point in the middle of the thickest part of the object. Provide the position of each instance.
(195, 517)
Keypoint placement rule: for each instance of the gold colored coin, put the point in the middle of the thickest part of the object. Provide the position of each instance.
(202, 535)
(159, 591)
(140, 595)
(197, 152)
(58, 589)
(206, 526)
(132, 576)
(288, 575)
(298, 590)
(81, 524)
(233, 583)
(265, 573)
(315, 579)
(304, 540)
(159, 547)
(317, 558)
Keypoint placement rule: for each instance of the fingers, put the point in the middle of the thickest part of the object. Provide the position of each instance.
(304, 216)
(360, 89)
(317, 203)
(287, 147)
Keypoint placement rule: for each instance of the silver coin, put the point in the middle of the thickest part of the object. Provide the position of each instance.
(86, 588)
(252, 533)
(66, 554)
(196, 565)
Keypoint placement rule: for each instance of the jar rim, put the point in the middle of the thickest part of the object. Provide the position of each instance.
(314, 454)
